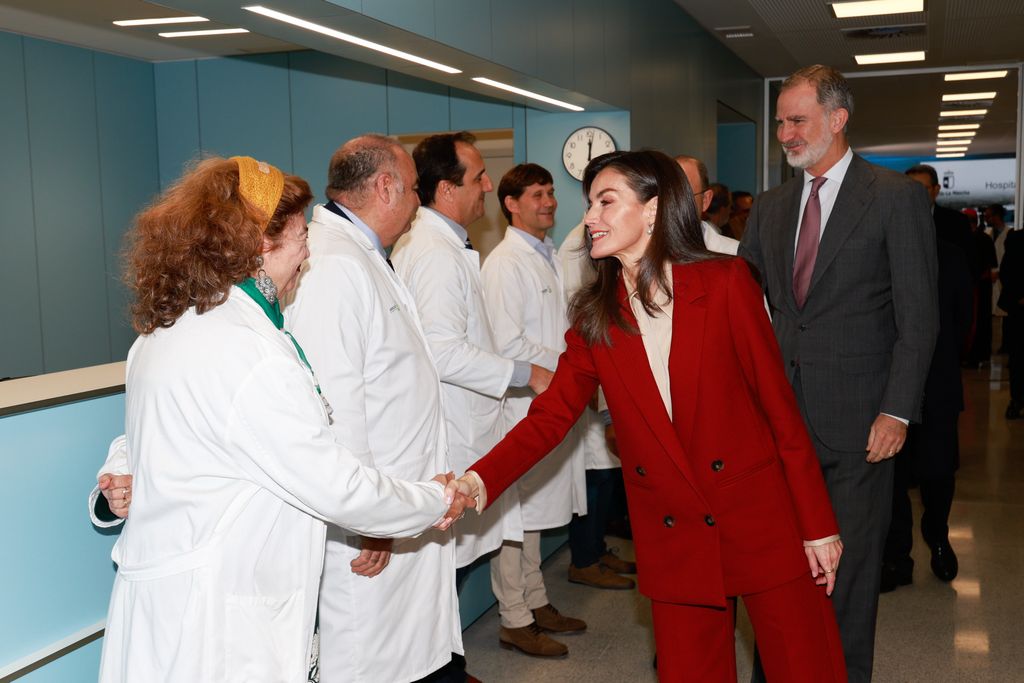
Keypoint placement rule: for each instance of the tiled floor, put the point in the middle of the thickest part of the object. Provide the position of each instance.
(928, 632)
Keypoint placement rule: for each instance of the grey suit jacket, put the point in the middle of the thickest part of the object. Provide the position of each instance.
(863, 341)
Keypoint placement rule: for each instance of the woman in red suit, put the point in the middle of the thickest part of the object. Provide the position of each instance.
(726, 497)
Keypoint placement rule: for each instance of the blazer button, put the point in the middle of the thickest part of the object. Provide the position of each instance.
(792, 363)
(717, 465)
(641, 471)
(669, 521)
(709, 520)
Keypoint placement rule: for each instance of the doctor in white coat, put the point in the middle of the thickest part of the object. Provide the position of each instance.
(361, 331)
(227, 434)
(442, 271)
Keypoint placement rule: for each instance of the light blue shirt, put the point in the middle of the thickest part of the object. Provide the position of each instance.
(545, 248)
(363, 228)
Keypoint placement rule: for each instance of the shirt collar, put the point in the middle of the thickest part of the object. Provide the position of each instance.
(838, 170)
(544, 247)
(459, 231)
(363, 228)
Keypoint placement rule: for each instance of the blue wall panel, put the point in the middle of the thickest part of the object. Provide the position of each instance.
(79, 666)
(588, 47)
(67, 196)
(555, 44)
(737, 156)
(464, 24)
(514, 35)
(332, 100)
(64, 583)
(416, 106)
(244, 108)
(469, 110)
(177, 117)
(21, 344)
(129, 179)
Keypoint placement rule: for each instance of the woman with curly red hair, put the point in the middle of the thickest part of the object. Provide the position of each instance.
(235, 468)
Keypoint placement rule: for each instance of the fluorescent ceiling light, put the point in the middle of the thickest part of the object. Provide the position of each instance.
(527, 93)
(744, 34)
(964, 112)
(870, 8)
(959, 134)
(969, 96)
(952, 143)
(943, 150)
(950, 156)
(160, 20)
(348, 38)
(960, 126)
(211, 32)
(976, 75)
(890, 57)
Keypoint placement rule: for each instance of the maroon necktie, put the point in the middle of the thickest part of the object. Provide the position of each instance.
(807, 243)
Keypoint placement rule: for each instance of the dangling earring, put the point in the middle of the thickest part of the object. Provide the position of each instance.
(263, 282)
(650, 229)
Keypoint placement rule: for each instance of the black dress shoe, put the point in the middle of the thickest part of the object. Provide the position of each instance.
(896, 574)
(944, 562)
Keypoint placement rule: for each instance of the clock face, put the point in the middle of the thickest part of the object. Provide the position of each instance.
(582, 145)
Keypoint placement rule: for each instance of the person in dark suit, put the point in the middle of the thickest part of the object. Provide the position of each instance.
(847, 253)
(1011, 300)
(932, 454)
(986, 267)
(725, 494)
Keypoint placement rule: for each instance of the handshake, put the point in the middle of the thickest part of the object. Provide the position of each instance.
(459, 493)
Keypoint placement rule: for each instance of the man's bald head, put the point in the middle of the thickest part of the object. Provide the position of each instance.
(697, 175)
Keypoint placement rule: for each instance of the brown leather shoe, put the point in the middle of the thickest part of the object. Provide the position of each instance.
(532, 641)
(617, 564)
(550, 619)
(599, 576)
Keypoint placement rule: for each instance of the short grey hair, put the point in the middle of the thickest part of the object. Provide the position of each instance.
(831, 86)
(354, 165)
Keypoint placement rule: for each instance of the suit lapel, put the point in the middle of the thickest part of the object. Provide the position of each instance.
(790, 220)
(851, 203)
(688, 312)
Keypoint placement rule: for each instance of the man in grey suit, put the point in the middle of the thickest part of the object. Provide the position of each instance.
(847, 253)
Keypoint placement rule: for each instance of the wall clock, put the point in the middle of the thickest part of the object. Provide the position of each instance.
(582, 145)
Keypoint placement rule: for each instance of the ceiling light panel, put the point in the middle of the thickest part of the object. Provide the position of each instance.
(872, 8)
(946, 150)
(964, 112)
(159, 21)
(890, 57)
(969, 96)
(527, 93)
(960, 134)
(194, 34)
(957, 155)
(960, 126)
(975, 75)
(349, 38)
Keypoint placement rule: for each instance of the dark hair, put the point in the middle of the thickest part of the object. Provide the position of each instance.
(359, 160)
(997, 209)
(515, 182)
(719, 197)
(197, 240)
(924, 169)
(437, 159)
(677, 237)
(740, 194)
(702, 173)
(832, 88)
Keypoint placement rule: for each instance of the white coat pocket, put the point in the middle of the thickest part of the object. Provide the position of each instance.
(261, 638)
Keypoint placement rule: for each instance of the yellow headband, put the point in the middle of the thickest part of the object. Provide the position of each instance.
(261, 184)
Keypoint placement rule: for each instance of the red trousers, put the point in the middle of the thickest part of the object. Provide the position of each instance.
(794, 625)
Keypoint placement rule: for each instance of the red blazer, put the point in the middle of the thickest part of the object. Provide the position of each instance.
(722, 496)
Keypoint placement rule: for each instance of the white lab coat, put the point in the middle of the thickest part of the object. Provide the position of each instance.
(234, 468)
(526, 301)
(358, 325)
(444, 278)
(578, 270)
(715, 241)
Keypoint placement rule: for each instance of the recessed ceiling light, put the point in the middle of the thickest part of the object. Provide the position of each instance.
(160, 20)
(211, 32)
(890, 57)
(959, 134)
(741, 34)
(976, 75)
(870, 8)
(969, 96)
(348, 38)
(527, 93)
(964, 112)
(960, 126)
(943, 150)
(950, 156)
(947, 141)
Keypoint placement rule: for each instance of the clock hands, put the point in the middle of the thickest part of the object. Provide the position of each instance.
(590, 145)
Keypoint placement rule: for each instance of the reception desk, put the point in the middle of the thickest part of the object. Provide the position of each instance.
(57, 573)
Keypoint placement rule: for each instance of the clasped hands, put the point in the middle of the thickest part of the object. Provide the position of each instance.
(459, 493)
